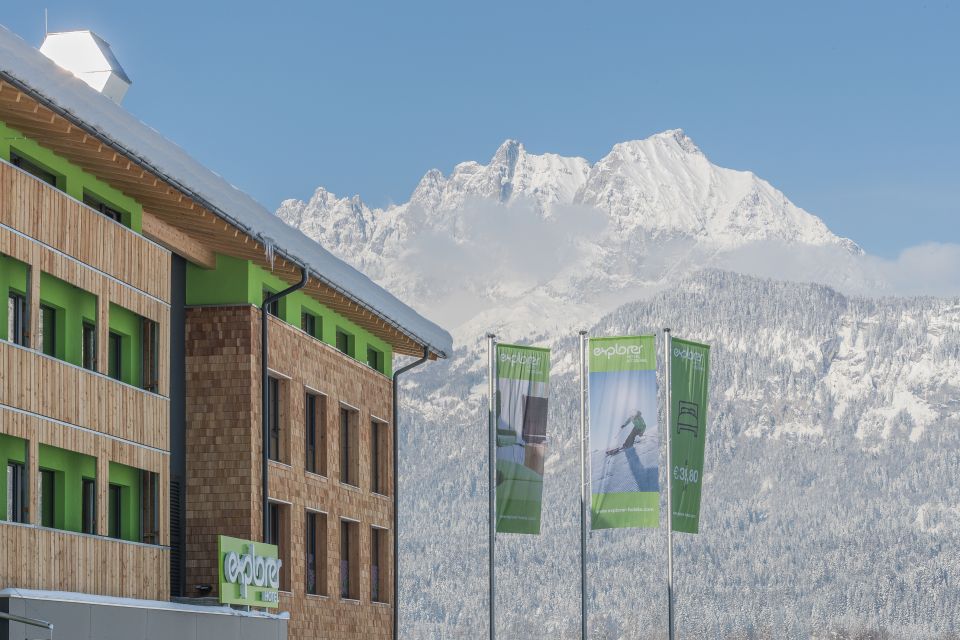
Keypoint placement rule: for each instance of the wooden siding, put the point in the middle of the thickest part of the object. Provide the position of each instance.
(223, 454)
(36, 558)
(49, 387)
(45, 213)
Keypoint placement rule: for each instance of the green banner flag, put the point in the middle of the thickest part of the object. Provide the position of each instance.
(689, 373)
(523, 384)
(624, 433)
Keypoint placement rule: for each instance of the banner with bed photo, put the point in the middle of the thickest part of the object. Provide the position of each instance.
(523, 383)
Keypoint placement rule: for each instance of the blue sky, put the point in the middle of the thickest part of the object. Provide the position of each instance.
(851, 108)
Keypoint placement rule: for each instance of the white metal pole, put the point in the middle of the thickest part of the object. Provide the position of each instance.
(584, 495)
(666, 384)
(492, 506)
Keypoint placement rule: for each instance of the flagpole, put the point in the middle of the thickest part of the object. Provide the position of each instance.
(492, 497)
(583, 486)
(666, 384)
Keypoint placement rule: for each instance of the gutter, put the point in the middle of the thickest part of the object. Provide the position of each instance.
(396, 487)
(265, 397)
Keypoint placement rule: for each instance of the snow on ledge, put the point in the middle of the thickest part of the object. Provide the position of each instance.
(113, 601)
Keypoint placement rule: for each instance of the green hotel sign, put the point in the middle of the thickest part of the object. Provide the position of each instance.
(249, 572)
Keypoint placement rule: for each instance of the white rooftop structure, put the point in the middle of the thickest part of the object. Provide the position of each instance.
(88, 56)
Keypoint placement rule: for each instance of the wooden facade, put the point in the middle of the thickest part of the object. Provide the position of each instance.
(224, 448)
(47, 401)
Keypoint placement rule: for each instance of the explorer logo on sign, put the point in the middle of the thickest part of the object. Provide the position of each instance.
(249, 573)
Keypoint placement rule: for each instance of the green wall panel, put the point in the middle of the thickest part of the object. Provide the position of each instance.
(70, 469)
(70, 178)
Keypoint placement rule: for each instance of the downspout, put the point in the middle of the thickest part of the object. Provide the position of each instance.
(265, 393)
(396, 488)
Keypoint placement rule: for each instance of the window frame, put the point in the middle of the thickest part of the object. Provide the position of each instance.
(16, 497)
(349, 439)
(275, 434)
(17, 317)
(88, 345)
(315, 432)
(48, 498)
(48, 313)
(315, 540)
(349, 560)
(115, 355)
(115, 511)
(88, 511)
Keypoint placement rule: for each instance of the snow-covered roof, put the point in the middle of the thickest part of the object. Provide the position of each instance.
(33, 72)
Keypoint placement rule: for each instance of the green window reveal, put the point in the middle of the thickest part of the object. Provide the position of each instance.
(344, 342)
(89, 346)
(115, 517)
(375, 359)
(48, 330)
(13, 482)
(274, 307)
(308, 322)
(17, 318)
(115, 355)
(48, 498)
(89, 506)
(62, 475)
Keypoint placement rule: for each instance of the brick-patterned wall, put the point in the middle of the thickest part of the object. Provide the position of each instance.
(223, 438)
(222, 388)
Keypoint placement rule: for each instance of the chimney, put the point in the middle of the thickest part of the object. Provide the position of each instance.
(88, 56)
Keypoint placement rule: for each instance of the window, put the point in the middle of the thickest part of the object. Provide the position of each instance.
(276, 451)
(114, 525)
(316, 553)
(316, 433)
(149, 507)
(349, 560)
(379, 561)
(48, 511)
(17, 319)
(349, 447)
(48, 330)
(95, 203)
(311, 324)
(16, 492)
(274, 307)
(375, 359)
(88, 506)
(344, 342)
(115, 355)
(149, 362)
(88, 346)
(33, 169)
(277, 515)
(379, 457)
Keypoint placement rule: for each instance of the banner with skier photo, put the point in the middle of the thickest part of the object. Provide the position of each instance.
(624, 433)
(523, 383)
(690, 375)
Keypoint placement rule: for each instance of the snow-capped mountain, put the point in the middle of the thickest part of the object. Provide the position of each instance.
(554, 229)
(830, 491)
